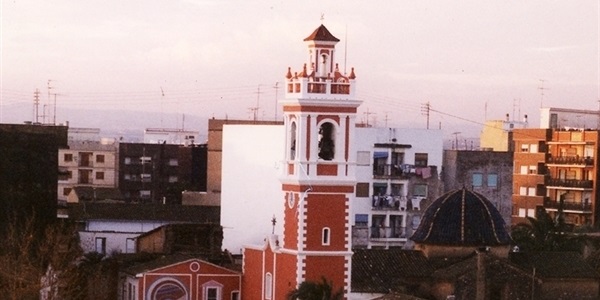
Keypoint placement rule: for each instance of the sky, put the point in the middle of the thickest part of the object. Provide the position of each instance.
(470, 60)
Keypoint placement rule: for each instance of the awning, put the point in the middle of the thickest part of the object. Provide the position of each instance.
(360, 218)
(380, 154)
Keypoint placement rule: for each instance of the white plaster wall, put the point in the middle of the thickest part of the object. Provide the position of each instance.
(115, 241)
(250, 187)
(252, 166)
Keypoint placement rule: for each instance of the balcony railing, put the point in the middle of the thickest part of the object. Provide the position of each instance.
(396, 203)
(574, 183)
(384, 232)
(388, 171)
(568, 205)
(571, 160)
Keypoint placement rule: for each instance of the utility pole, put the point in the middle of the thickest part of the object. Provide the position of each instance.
(48, 100)
(368, 114)
(425, 109)
(36, 105)
(276, 87)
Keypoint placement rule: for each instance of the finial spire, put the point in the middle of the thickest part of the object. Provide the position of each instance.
(322, 18)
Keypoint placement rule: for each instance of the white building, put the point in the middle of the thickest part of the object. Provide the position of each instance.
(86, 163)
(171, 136)
(553, 117)
(252, 164)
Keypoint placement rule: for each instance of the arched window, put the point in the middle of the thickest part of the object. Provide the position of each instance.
(326, 141)
(326, 236)
(268, 286)
(293, 141)
(167, 288)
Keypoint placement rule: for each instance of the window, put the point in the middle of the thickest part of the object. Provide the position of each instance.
(268, 286)
(172, 179)
(145, 159)
(293, 141)
(477, 179)
(127, 176)
(101, 245)
(362, 189)
(68, 157)
(326, 141)
(146, 177)
(66, 191)
(523, 191)
(420, 190)
(533, 148)
(531, 212)
(421, 160)
(522, 212)
(532, 169)
(235, 295)
(211, 290)
(524, 169)
(531, 191)
(363, 158)
(492, 180)
(361, 220)
(173, 162)
(325, 240)
(145, 194)
(127, 160)
(100, 158)
(100, 175)
(130, 245)
(525, 148)
(212, 293)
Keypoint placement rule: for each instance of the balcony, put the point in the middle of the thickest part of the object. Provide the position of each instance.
(568, 205)
(388, 171)
(385, 232)
(396, 203)
(571, 160)
(572, 183)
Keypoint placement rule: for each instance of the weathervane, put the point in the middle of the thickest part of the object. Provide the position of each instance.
(273, 221)
(322, 17)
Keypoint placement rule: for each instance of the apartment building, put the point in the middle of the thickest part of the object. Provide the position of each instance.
(86, 163)
(488, 173)
(556, 168)
(158, 173)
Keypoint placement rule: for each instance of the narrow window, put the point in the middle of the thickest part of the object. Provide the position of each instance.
(325, 240)
(477, 179)
(99, 175)
(268, 286)
(212, 293)
(362, 189)
(101, 245)
(326, 141)
(235, 295)
(492, 180)
(100, 158)
(293, 141)
(68, 157)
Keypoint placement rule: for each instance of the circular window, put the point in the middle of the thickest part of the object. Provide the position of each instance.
(194, 267)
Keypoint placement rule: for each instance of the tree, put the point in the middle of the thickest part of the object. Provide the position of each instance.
(30, 264)
(545, 234)
(309, 290)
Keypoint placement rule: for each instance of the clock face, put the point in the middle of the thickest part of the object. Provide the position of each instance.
(291, 200)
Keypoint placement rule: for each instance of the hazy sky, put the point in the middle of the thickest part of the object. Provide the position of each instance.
(211, 57)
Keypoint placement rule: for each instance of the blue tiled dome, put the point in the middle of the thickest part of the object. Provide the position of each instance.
(462, 218)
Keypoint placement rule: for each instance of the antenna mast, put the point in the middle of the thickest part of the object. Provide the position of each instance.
(542, 88)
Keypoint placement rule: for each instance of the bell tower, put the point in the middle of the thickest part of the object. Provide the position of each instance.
(318, 180)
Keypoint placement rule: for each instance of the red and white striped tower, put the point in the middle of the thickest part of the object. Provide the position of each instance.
(319, 175)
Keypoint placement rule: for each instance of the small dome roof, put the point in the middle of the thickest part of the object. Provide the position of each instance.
(321, 34)
(462, 218)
